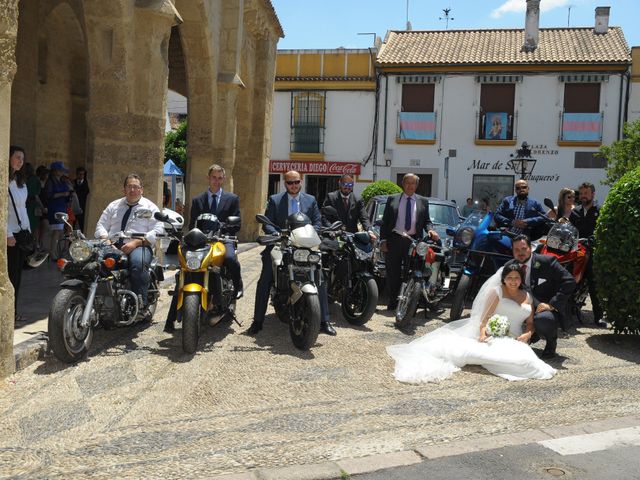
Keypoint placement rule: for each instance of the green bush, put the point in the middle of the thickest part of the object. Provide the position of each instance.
(175, 146)
(616, 259)
(381, 187)
(622, 155)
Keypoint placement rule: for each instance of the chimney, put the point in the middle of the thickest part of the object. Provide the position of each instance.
(602, 20)
(531, 26)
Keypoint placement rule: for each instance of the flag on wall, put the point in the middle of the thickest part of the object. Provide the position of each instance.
(582, 127)
(417, 125)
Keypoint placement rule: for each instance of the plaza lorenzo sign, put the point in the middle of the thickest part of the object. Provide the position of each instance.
(314, 167)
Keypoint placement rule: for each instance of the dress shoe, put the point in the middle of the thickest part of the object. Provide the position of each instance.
(547, 354)
(169, 327)
(239, 294)
(254, 328)
(325, 327)
(599, 323)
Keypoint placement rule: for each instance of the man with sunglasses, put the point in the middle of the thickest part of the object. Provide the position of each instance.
(520, 213)
(349, 206)
(279, 207)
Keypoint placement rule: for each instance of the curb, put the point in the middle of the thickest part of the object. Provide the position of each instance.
(345, 468)
(27, 352)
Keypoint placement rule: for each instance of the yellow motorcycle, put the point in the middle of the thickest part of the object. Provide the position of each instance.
(204, 289)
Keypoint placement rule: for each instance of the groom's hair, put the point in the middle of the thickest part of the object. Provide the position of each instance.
(520, 238)
(512, 266)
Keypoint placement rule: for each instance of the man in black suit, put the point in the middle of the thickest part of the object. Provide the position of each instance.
(350, 207)
(407, 214)
(279, 207)
(551, 286)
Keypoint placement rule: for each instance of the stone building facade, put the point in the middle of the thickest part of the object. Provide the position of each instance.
(85, 82)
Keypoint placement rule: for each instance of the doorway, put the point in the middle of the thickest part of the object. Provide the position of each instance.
(320, 185)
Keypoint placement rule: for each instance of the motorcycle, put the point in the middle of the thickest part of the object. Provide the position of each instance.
(479, 251)
(96, 291)
(203, 286)
(426, 278)
(347, 260)
(297, 273)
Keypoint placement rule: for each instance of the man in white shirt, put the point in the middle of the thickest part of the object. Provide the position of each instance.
(119, 216)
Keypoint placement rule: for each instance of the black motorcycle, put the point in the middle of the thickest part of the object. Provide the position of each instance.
(297, 272)
(426, 279)
(347, 260)
(96, 291)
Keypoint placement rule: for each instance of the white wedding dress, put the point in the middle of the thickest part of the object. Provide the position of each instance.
(438, 354)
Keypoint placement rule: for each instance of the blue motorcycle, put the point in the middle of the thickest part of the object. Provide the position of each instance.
(480, 249)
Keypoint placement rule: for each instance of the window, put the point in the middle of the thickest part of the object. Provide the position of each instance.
(496, 111)
(307, 122)
(581, 118)
(417, 120)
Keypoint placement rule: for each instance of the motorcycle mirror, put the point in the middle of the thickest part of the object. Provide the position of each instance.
(162, 217)
(62, 217)
(233, 221)
(262, 219)
(549, 203)
(142, 213)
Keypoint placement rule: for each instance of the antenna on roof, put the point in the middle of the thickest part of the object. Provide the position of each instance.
(408, 22)
(569, 15)
(447, 17)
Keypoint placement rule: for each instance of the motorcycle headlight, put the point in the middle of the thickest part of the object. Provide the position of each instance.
(421, 248)
(313, 258)
(465, 236)
(80, 251)
(194, 259)
(301, 255)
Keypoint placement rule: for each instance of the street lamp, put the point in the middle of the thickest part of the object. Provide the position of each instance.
(522, 164)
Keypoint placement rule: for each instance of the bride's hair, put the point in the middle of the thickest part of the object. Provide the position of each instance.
(512, 266)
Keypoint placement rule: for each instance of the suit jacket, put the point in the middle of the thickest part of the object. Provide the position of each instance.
(390, 215)
(278, 210)
(228, 206)
(351, 215)
(550, 282)
(534, 214)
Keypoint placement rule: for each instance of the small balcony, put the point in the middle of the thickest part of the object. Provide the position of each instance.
(580, 129)
(496, 128)
(416, 128)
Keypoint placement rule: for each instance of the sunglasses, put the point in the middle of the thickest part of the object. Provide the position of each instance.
(521, 188)
(347, 184)
(293, 182)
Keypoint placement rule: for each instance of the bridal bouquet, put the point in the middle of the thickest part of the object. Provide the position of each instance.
(497, 326)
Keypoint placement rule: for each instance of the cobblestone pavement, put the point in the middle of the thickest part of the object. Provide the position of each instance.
(139, 407)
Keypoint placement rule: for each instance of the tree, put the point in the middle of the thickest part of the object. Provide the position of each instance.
(175, 146)
(381, 187)
(622, 155)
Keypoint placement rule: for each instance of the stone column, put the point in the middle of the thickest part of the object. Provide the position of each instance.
(129, 72)
(8, 31)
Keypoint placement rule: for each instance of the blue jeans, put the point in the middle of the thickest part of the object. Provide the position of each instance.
(139, 262)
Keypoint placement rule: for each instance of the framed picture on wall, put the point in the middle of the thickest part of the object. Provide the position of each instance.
(492, 187)
(496, 126)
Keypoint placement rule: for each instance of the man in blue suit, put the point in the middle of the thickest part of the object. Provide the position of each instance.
(520, 213)
(223, 205)
(279, 207)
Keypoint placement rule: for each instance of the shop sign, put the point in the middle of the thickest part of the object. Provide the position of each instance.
(314, 167)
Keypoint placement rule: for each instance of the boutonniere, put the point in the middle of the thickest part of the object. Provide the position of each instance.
(536, 265)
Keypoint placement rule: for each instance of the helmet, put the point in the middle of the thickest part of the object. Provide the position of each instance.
(296, 220)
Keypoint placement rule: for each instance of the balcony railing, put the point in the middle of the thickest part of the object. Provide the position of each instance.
(581, 127)
(307, 138)
(496, 126)
(417, 126)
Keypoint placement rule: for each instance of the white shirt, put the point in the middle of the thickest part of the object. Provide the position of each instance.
(402, 208)
(111, 220)
(218, 194)
(20, 197)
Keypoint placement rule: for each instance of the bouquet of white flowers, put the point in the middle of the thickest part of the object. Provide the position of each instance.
(497, 326)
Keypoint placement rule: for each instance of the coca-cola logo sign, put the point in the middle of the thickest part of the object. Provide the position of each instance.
(317, 167)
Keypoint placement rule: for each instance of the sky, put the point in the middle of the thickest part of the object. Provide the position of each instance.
(337, 23)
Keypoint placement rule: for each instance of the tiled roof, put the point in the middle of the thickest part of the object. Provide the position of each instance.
(465, 47)
(325, 79)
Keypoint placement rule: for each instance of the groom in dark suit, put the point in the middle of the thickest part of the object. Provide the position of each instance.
(405, 213)
(279, 207)
(551, 286)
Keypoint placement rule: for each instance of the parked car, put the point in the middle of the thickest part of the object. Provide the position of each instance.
(443, 213)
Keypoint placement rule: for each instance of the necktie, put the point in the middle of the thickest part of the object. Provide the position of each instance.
(214, 204)
(524, 272)
(407, 215)
(126, 216)
(345, 202)
(294, 206)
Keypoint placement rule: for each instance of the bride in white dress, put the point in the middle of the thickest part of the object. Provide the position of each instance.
(438, 354)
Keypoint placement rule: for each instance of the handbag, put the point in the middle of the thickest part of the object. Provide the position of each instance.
(24, 239)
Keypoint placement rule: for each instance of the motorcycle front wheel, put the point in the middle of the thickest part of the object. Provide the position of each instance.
(359, 303)
(190, 322)
(304, 323)
(407, 307)
(460, 297)
(69, 341)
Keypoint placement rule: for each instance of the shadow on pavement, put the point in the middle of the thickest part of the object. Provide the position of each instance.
(624, 347)
(275, 337)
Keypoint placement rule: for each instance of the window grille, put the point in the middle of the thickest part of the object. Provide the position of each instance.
(307, 121)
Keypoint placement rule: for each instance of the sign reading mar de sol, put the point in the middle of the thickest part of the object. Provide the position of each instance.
(317, 167)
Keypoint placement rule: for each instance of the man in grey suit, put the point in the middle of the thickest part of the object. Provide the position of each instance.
(279, 207)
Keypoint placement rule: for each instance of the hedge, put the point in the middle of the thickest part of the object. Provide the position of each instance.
(381, 187)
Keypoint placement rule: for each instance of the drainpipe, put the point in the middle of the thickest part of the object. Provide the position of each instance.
(619, 133)
(386, 105)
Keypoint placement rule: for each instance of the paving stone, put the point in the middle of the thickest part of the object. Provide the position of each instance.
(356, 466)
(320, 471)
